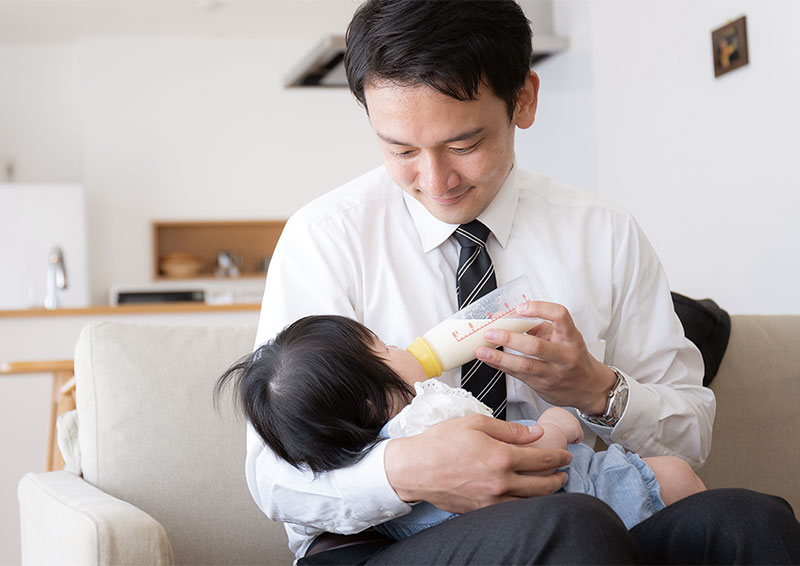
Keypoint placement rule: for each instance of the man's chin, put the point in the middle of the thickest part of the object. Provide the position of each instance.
(452, 216)
(456, 213)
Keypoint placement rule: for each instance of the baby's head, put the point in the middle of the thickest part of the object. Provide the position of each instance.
(319, 392)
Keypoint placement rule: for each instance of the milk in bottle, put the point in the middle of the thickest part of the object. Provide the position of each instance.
(453, 341)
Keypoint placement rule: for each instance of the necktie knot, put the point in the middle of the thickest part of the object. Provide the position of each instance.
(471, 235)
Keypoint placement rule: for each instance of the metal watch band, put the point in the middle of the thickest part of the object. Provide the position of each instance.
(619, 392)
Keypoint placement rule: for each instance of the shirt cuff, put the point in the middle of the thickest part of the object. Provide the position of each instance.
(636, 426)
(369, 490)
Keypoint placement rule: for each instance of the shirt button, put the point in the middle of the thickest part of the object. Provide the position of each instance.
(388, 514)
(626, 436)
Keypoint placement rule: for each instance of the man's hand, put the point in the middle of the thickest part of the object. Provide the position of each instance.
(563, 372)
(471, 462)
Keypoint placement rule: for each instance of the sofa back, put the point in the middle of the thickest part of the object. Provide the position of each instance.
(755, 442)
(149, 435)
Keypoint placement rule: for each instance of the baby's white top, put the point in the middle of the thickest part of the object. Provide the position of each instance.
(434, 402)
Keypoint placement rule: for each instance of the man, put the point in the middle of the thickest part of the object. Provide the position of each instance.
(445, 85)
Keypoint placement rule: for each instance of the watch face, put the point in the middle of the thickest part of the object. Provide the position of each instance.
(620, 401)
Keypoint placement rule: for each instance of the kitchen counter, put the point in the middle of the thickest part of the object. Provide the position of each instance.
(41, 334)
(152, 308)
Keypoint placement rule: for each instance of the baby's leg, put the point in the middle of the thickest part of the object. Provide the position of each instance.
(560, 428)
(676, 478)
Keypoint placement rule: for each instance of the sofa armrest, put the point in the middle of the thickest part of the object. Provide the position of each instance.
(65, 520)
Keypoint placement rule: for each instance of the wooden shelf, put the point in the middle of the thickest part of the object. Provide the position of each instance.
(253, 240)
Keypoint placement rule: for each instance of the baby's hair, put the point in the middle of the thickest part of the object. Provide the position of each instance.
(318, 393)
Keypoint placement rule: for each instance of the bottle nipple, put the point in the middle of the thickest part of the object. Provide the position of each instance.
(421, 350)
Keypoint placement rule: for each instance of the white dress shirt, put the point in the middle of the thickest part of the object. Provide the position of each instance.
(371, 252)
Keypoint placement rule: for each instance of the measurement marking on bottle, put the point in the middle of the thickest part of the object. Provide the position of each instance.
(491, 318)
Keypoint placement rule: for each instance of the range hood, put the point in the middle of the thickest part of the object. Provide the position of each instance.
(323, 66)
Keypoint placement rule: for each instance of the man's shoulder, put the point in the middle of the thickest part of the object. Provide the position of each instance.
(364, 195)
(538, 190)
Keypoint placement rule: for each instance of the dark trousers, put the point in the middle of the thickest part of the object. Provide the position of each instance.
(723, 526)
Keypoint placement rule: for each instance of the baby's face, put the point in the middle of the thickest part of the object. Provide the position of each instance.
(402, 362)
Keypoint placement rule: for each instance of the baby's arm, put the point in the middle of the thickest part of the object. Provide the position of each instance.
(560, 428)
(676, 478)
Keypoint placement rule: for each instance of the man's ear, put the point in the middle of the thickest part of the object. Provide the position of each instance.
(528, 98)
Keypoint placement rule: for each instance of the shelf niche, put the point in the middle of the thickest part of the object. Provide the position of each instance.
(252, 240)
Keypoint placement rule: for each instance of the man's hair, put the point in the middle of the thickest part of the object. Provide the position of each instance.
(318, 393)
(452, 46)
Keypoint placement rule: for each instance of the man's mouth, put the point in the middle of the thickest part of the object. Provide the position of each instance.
(445, 201)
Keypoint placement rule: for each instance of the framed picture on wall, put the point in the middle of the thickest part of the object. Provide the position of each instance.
(730, 46)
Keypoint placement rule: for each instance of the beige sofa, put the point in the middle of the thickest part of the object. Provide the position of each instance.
(163, 474)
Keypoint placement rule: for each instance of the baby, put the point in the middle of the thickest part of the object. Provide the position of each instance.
(326, 389)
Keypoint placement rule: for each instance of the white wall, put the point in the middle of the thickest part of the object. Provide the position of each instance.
(201, 128)
(708, 166)
(633, 111)
(562, 141)
(39, 121)
(184, 129)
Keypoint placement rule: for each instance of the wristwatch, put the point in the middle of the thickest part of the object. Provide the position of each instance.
(617, 400)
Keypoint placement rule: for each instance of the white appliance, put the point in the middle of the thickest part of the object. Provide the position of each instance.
(34, 219)
(217, 291)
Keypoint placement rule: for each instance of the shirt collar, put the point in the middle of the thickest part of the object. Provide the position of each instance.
(498, 216)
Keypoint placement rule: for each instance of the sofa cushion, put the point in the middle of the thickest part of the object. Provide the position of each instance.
(149, 434)
(755, 430)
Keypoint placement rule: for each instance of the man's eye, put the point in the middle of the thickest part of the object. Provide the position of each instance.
(463, 149)
(407, 153)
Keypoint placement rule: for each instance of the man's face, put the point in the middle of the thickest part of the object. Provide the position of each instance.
(450, 155)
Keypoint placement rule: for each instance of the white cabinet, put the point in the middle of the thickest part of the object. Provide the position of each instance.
(35, 218)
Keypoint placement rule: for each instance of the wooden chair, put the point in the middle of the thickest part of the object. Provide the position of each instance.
(62, 397)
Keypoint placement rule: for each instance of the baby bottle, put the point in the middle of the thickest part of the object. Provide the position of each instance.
(453, 342)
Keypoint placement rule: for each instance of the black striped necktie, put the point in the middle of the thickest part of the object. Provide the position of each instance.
(475, 278)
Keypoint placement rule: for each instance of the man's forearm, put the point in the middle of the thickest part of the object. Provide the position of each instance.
(343, 501)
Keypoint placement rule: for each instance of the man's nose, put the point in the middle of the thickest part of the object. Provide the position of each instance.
(436, 176)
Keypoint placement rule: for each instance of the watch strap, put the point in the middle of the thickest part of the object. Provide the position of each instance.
(610, 416)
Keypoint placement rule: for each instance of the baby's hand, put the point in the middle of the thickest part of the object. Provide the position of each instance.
(564, 420)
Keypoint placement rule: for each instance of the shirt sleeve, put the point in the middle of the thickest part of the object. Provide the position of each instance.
(669, 411)
(342, 501)
(313, 272)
